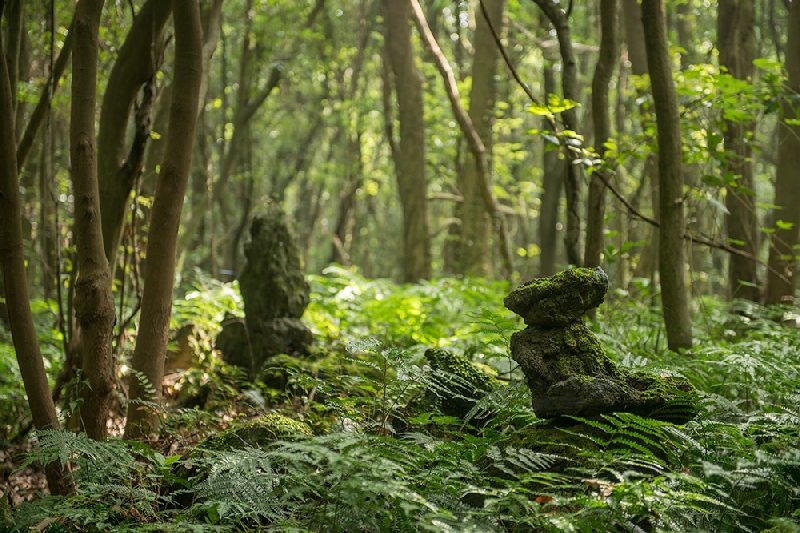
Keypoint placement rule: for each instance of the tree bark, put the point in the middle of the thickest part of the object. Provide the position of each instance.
(12, 262)
(552, 184)
(94, 304)
(475, 220)
(15, 29)
(634, 35)
(410, 165)
(595, 216)
(736, 43)
(553, 175)
(569, 87)
(474, 141)
(784, 242)
(674, 299)
(48, 91)
(136, 63)
(151, 341)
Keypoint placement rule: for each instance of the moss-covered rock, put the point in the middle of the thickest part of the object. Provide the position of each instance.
(257, 433)
(275, 295)
(559, 299)
(457, 383)
(566, 367)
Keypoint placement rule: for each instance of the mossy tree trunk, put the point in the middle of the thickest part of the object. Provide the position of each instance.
(12, 263)
(151, 342)
(783, 250)
(94, 304)
(674, 298)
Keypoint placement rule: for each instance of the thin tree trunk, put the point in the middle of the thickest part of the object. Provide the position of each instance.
(474, 141)
(475, 221)
(634, 34)
(47, 216)
(12, 261)
(15, 31)
(136, 63)
(569, 87)
(151, 341)
(736, 44)
(410, 165)
(48, 91)
(674, 299)
(553, 177)
(94, 304)
(595, 217)
(782, 277)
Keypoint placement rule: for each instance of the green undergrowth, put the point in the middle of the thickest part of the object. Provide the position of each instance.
(385, 456)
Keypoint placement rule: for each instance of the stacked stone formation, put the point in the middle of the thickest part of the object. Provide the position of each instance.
(275, 295)
(567, 370)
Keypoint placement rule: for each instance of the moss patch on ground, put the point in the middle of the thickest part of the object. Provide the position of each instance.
(258, 433)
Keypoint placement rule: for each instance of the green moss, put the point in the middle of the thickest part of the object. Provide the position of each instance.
(477, 377)
(668, 398)
(458, 383)
(257, 433)
(559, 299)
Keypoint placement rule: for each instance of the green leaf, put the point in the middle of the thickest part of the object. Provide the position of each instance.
(171, 459)
(766, 64)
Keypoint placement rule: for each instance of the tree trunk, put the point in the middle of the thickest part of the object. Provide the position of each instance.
(634, 35)
(476, 147)
(684, 26)
(12, 261)
(569, 86)
(553, 173)
(674, 298)
(410, 166)
(475, 221)
(43, 106)
(15, 31)
(94, 304)
(595, 217)
(782, 277)
(737, 44)
(136, 63)
(151, 341)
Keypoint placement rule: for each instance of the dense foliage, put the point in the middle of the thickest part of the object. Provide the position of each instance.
(380, 462)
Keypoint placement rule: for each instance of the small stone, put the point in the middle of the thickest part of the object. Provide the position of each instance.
(559, 299)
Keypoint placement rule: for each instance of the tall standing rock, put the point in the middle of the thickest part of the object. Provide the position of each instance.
(275, 295)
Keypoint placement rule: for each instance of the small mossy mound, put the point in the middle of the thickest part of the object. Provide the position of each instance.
(257, 433)
(457, 384)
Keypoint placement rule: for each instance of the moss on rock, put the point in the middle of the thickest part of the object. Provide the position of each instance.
(457, 383)
(257, 433)
(559, 299)
(566, 367)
